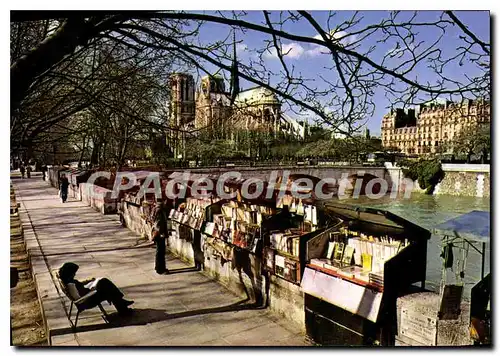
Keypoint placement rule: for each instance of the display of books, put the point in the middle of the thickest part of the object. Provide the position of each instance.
(287, 241)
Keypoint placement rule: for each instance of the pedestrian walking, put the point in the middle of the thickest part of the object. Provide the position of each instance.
(22, 170)
(28, 171)
(63, 187)
(44, 172)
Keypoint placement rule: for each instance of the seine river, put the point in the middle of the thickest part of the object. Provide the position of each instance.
(429, 211)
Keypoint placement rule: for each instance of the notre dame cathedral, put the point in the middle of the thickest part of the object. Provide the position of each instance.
(212, 108)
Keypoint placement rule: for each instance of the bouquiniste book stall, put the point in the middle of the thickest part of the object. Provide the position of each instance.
(355, 272)
(230, 230)
(237, 224)
(190, 214)
(285, 235)
(135, 209)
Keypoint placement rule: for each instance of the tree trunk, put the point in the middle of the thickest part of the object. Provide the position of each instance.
(484, 156)
(123, 150)
(83, 152)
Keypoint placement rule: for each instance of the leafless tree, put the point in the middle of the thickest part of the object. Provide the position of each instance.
(365, 57)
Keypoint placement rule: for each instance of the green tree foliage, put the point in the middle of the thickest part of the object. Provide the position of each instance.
(473, 140)
(428, 173)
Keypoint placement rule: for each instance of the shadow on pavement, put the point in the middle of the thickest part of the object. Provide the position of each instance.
(181, 270)
(147, 316)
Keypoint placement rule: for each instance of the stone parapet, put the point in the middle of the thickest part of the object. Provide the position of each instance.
(98, 198)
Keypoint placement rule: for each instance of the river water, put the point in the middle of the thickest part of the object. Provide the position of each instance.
(429, 211)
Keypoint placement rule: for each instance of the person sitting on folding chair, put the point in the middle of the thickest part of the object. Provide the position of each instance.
(106, 290)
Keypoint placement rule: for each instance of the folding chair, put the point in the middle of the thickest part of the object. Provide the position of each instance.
(82, 303)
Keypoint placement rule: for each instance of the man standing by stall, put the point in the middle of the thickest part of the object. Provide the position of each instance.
(159, 220)
(44, 172)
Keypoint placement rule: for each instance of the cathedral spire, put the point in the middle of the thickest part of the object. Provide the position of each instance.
(235, 82)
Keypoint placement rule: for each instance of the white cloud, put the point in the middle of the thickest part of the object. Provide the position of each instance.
(241, 47)
(317, 50)
(340, 37)
(290, 50)
(295, 50)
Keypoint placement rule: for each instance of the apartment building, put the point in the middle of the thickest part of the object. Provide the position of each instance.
(429, 128)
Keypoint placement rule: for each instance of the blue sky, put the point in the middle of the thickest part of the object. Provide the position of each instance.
(305, 59)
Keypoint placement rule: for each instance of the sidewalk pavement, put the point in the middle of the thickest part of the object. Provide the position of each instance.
(185, 308)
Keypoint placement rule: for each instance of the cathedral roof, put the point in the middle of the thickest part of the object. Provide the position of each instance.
(256, 96)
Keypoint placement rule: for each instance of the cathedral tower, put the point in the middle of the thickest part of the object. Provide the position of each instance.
(182, 99)
(182, 112)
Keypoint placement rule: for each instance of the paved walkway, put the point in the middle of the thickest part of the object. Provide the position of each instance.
(184, 308)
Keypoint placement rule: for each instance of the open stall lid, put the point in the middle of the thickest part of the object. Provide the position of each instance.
(383, 219)
(473, 226)
(357, 299)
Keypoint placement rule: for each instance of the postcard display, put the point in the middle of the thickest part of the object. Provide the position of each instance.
(354, 274)
(283, 254)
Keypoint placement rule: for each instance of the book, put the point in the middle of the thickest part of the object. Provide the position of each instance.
(307, 212)
(296, 244)
(330, 267)
(331, 249)
(279, 261)
(376, 279)
(357, 252)
(348, 255)
(366, 261)
(240, 214)
(92, 284)
(338, 252)
(282, 244)
(300, 208)
(209, 228)
(319, 262)
(351, 272)
(314, 215)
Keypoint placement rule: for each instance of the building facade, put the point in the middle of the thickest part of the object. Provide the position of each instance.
(223, 113)
(429, 128)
